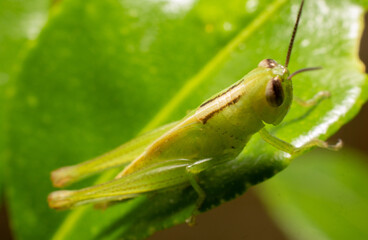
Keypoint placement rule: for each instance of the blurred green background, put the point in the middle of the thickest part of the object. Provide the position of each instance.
(61, 65)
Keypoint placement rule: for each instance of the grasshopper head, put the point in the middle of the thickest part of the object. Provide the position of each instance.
(276, 84)
(275, 95)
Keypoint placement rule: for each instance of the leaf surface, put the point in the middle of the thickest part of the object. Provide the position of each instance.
(101, 72)
(321, 196)
(20, 23)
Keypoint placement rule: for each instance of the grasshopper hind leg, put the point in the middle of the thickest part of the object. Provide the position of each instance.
(163, 175)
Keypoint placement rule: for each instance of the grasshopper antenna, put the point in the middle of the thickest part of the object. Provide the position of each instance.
(293, 35)
(303, 70)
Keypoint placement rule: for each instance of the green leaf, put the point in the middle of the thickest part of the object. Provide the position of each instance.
(1, 182)
(321, 196)
(20, 23)
(100, 72)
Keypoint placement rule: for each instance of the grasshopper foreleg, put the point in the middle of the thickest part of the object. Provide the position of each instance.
(291, 149)
(314, 100)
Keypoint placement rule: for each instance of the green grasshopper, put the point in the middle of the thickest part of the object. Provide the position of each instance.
(174, 155)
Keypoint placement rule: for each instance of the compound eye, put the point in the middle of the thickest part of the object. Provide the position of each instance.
(267, 63)
(274, 92)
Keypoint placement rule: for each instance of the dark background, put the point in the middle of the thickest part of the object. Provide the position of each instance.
(245, 217)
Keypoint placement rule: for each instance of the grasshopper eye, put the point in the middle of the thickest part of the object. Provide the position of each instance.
(274, 92)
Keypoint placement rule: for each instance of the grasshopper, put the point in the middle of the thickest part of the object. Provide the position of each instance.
(174, 155)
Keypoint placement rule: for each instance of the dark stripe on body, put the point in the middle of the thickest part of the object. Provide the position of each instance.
(228, 90)
(211, 114)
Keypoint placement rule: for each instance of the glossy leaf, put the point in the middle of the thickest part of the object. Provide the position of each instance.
(321, 196)
(20, 23)
(101, 72)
